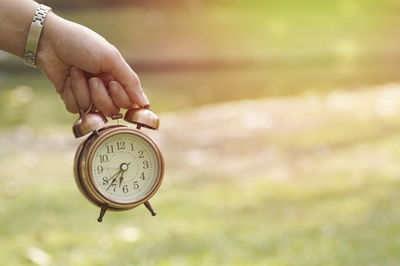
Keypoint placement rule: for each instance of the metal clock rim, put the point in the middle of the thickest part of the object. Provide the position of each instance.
(88, 165)
(79, 178)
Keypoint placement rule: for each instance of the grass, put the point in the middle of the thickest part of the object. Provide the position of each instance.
(272, 196)
(305, 175)
(235, 223)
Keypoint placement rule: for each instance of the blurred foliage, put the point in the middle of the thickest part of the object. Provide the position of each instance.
(270, 32)
(197, 52)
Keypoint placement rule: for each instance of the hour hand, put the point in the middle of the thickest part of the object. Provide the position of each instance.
(121, 178)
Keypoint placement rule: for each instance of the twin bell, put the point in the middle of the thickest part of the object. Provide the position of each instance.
(94, 120)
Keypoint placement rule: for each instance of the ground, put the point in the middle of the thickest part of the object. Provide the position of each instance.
(304, 180)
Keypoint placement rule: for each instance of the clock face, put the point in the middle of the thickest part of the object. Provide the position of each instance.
(124, 167)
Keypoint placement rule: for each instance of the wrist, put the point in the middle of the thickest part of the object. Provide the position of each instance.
(47, 40)
(16, 18)
(34, 35)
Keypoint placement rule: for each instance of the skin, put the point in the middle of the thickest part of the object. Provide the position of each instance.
(81, 64)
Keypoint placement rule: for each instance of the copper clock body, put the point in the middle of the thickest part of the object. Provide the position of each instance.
(88, 183)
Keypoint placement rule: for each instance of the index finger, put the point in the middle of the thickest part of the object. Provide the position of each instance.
(122, 72)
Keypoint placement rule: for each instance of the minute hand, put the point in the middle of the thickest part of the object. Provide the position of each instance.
(116, 174)
(115, 179)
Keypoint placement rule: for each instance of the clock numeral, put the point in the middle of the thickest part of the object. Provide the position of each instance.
(140, 152)
(110, 149)
(135, 185)
(132, 149)
(142, 176)
(121, 145)
(125, 189)
(145, 164)
(99, 169)
(105, 181)
(103, 158)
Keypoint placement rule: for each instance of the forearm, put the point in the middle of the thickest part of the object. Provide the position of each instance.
(15, 21)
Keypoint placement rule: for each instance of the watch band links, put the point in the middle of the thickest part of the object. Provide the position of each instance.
(32, 42)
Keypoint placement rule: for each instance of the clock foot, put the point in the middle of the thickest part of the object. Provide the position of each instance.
(148, 206)
(102, 212)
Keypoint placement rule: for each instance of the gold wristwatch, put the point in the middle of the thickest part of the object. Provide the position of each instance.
(32, 42)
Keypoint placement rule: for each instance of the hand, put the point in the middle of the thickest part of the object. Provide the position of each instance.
(84, 67)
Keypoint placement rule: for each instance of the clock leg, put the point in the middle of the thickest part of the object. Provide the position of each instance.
(148, 206)
(102, 212)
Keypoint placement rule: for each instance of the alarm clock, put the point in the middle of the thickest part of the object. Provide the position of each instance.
(118, 167)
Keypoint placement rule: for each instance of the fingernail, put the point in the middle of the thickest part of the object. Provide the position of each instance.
(112, 84)
(144, 99)
(74, 71)
(94, 83)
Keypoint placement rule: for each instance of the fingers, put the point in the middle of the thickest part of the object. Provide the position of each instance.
(122, 72)
(105, 77)
(68, 97)
(101, 100)
(80, 88)
(119, 95)
(78, 93)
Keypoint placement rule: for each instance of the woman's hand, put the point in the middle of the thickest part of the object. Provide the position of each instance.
(84, 67)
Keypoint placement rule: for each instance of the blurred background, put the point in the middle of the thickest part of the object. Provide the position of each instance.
(280, 125)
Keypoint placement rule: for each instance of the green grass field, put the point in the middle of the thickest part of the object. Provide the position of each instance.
(289, 159)
(310, 180)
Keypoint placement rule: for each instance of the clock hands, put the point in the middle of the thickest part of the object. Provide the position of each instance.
(115, 179)
(121, 178)
(115, 175)
(123, 168)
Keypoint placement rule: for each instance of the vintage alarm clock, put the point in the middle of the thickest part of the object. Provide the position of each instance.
(118, 167)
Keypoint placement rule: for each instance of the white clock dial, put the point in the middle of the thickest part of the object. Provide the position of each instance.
(124, 167)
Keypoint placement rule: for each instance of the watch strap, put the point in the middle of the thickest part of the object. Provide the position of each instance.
(32, 42)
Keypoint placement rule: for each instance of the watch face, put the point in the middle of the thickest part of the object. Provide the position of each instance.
(124, 167)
